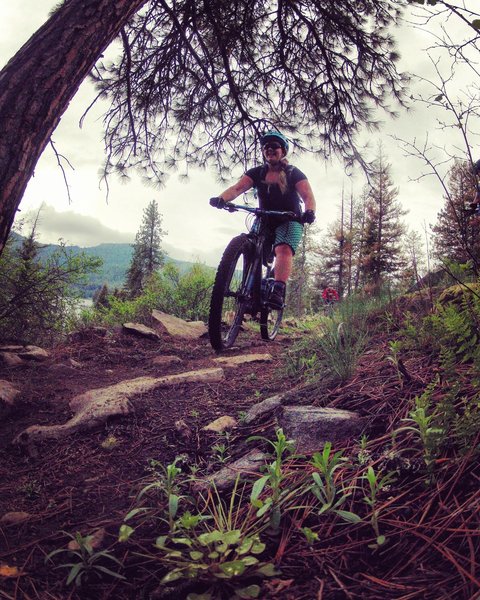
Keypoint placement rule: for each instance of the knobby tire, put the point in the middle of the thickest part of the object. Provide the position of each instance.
(270, 320)
(222, 331)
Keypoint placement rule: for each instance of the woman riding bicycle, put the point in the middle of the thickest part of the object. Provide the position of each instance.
(280, 186)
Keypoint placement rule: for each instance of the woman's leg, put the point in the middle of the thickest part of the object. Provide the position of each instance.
(283, 262)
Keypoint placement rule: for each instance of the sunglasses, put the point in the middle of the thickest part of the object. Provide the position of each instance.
(272, 146)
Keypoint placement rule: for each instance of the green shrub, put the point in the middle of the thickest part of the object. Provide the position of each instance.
(331, 351)
(186, 296)
(38, 297)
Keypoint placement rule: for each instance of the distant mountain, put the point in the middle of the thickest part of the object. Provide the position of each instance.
(116, 260)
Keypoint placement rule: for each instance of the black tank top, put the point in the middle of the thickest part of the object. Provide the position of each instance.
(269, 194)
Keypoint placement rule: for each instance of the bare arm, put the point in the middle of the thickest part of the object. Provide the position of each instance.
(242, 185)
(306, 194)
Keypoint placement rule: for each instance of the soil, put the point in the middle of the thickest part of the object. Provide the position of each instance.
(75, 484)
(81, 484)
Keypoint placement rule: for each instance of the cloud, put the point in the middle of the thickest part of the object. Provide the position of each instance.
(74, 228)
(80, 230)
(209, 256)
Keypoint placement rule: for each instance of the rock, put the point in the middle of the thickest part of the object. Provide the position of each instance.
(431, 279)
(75, 363)
(14, 518)
(225, 478)
(94, 407)
(311, 427)
(235, 361)
(178, 327)
(34, 353)
(8, 394)
(11, 360)
(165, 361)
(110, 442)
(261, 409)
(221, 424)
(141, 330)
(62, 369)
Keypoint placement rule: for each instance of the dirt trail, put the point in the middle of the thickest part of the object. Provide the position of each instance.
(84, 481)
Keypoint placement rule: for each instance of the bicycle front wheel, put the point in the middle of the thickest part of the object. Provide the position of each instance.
(230, 297)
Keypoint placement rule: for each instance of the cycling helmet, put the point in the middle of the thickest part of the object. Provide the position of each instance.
(275, 136)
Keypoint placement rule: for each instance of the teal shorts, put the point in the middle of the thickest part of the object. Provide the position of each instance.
(289, 233)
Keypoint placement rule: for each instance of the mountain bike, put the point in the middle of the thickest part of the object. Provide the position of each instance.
(244, 279)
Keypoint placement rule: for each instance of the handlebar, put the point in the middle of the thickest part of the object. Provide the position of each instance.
(259, 212)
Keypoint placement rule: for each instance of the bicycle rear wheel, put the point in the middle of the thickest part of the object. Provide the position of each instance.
(229, 295)
(270, 318)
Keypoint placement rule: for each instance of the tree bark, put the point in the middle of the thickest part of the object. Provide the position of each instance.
(38, 83)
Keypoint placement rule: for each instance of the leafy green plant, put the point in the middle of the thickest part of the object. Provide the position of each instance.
(466, 424)
(375, 485)
(242, 416)
(220, 452)
(31, 489)
(219, 549)
(324, 487)
(310, 535)
(394, 357)
(425, 423)
(453, 331)
(363, 455)
(166, 483)
(411, 332)
(272, 480)
(331, 351)
(216, 558)
(84, 562)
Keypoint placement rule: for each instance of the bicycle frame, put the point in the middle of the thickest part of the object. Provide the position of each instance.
(252, 290)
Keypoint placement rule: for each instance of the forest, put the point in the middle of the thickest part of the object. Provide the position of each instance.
(339, 461)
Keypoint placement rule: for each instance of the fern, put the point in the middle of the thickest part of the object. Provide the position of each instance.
(466, 425)
(448, 362)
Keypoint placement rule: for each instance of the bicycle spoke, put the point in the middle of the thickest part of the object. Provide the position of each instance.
(228, 302)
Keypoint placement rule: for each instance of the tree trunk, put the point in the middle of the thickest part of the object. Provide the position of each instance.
(341, 247)
(38, 83)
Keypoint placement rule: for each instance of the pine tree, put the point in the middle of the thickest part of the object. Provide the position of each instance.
(147, 253)
(331, 267)
(415, 264)
(340, 249)
(334, 263)
(456, 233)
(299, 298)
(381, 254)
(100, 297)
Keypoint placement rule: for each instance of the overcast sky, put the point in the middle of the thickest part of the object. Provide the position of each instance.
(194, 229)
